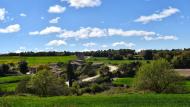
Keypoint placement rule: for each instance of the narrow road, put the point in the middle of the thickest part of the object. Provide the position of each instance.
(112, 68)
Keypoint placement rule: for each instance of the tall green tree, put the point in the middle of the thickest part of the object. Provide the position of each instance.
(70, 73)
(23, 67)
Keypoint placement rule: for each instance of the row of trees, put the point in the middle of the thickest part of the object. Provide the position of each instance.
(50, 53)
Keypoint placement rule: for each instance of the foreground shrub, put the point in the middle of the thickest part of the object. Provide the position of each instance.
(45, 83)
(159, 77)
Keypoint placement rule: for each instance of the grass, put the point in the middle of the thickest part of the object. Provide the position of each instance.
(108, 61)
(11, 79)
(8, 87)
(36, 60)
(9, 83)
(127, 100)
(123, 81)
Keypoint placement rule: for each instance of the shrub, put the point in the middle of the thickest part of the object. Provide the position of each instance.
(45, 83)
(76, 89)
(159, 77)
(96, 88)
(43, 67)
(22, 85)
(182, 61)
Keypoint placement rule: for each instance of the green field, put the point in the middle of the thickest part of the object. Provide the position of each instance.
(123, 81)
(108, 61)
(9, 83)
(36, 60)
(127, 100)
(11, 79)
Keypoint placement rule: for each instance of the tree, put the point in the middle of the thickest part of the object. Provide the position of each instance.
(128, 70)
(23, 67)
(157, 76)
(182, 61)
(4, 68)
(45, 83)
(70, 73)
(147, 54)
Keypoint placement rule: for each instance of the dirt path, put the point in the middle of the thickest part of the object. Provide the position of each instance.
(183, 72)
(90, 78)
(112, 68)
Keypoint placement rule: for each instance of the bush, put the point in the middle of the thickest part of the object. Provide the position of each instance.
(96, 88)
(182, 61)
(45, 83)
(128, 70)
(159, 77)
(43, 67)
(22, 85)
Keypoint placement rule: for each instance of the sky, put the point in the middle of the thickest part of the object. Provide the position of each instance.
(85, 25)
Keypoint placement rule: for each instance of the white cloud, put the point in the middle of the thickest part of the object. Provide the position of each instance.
(161, 38)
(130, 32)
(47, 31)
(23, 15)
(104, 46)
(128, 45)
(11, 29)
(90, 44)
(56, 9)
(88, 32)
(84, 33)
(158, 16)
(56, 43)
(83, 3)
(55, 20)
(97, 32)
(21, 49)
(167, 38)
(2, 14)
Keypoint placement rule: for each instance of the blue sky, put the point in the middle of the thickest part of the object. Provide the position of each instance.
(82, 25)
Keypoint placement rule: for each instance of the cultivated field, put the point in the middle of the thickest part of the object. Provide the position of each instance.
(36, 60)
(9, 83)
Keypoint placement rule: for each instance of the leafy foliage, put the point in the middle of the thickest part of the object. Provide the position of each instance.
(159, 77)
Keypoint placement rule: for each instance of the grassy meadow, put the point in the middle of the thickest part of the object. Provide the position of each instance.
(127, 100)
(123, 81)
(36, 60)
(9, 83)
